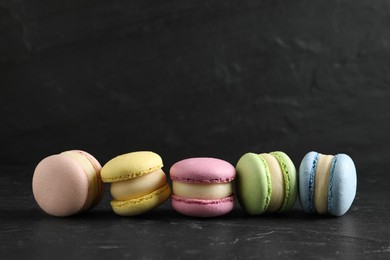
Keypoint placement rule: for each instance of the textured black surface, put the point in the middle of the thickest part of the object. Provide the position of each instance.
(28, 233)
(188, 78)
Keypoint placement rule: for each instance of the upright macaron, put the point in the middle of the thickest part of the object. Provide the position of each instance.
(67, 183)
(138, 184)
(327, 183)
(202, 187)
(266, 182)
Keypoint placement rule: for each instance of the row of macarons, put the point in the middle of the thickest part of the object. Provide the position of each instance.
(73, 181)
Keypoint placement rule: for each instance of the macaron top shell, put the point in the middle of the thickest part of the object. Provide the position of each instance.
(290, 179)
(202, 170)
(342, 185)
(253, 183)
(306, 181)
(131, 165)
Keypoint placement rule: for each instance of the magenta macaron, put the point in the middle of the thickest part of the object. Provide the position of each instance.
(202, 187)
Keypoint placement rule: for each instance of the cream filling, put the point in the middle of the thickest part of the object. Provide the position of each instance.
(90, 172)
(139, 186)
(321, 183)
(277, 183)
(202, 190)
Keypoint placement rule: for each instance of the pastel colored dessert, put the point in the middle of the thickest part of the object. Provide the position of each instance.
(327, 183)
(266, 183)
(67, 183)
(202, 187)
(138, 184)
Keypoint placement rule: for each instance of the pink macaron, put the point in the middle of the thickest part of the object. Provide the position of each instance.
(202, 187)
(67, 183)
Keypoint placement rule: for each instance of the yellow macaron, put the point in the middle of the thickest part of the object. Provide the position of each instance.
(138, 184)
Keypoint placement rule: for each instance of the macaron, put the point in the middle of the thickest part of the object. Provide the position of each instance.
(266, 183)
(67, 183)
(202, 187)
(138, 184)
(327, 183)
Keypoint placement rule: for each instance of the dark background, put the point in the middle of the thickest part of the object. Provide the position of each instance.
(194, 78)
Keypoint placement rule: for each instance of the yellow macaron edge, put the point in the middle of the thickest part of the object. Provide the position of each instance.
(142, 204)
(130, 165)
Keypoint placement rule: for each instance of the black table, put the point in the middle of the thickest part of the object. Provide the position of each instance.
(27, 233)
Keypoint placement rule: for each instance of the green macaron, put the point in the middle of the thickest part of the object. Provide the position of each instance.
(266, 182)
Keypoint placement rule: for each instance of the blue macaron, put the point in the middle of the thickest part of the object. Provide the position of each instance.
(327, 183)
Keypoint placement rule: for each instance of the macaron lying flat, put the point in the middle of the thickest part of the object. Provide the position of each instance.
(67, 183)
(202, 187)
(266, 182)
(327, 183)
(138, 184)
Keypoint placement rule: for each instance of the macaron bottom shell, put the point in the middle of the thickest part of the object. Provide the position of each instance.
(203, 208)
(141, 205)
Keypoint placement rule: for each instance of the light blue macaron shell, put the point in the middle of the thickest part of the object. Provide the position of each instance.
(306, 182)
(342, 185)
